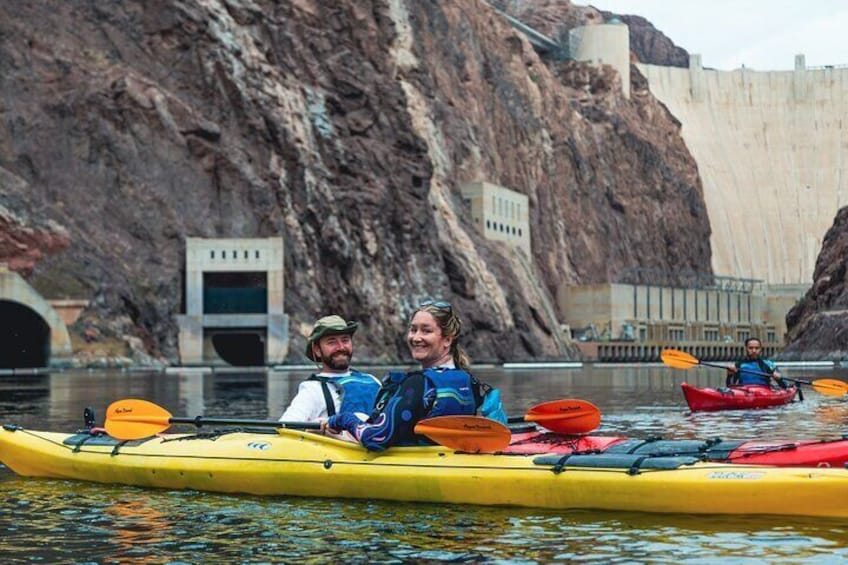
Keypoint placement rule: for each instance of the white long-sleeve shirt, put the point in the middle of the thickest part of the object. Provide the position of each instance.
(309, 405)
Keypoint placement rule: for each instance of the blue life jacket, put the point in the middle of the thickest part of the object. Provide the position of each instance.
(454, 392)
(407, 398)
(492, 407)
(359, 392)
(749, 372)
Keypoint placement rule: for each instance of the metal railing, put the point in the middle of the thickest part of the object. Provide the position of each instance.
(684, 279)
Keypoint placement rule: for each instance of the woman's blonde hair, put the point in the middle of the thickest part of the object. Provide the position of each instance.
(451, 325)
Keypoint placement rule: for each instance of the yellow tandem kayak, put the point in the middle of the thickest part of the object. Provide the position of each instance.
(298, 463)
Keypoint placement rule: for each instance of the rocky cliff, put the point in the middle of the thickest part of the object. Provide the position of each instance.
(25, 240)
(555, 18)
(818, 324)
(649, 45)
(346, 127)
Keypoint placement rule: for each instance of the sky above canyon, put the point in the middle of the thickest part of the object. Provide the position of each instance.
(760, 34)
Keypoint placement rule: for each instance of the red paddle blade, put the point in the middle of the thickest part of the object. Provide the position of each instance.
(678, 359)
(473, 434)
(566, 416)
(134, 419)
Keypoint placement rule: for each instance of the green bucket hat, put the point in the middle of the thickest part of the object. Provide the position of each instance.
(328, 325)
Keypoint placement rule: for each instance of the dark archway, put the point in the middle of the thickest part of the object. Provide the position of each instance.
(24, 337)
(241, 348)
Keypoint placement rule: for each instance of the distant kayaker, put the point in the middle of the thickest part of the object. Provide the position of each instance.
(443, 386)
(754, 370)
(336, 388)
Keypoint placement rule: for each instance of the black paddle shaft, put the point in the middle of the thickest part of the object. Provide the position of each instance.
(200, 421)
(755, 372)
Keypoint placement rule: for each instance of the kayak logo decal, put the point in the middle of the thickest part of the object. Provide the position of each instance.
(260, 445)
(475, 426)
(743, 475)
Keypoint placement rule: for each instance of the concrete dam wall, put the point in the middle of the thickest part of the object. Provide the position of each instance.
(771, 149)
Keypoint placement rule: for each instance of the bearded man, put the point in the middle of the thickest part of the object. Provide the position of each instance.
(336, 388)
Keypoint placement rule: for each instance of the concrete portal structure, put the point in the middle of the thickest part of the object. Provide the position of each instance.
(603, 44)
(32, 334)
(499, 213)
(234, 302)
(653, 314)
(772, 152)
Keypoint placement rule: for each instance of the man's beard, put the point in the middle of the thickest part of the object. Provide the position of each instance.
(338, 362)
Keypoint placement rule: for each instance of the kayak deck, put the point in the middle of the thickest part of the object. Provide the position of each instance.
(783, 453)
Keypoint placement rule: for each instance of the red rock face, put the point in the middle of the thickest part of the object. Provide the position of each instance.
(347, 128)
(818, 324)
(23, 242)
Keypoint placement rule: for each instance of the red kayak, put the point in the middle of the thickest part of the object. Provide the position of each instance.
(789, 453)
(736, 398)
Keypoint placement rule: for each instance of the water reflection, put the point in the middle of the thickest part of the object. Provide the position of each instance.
(60, 521)
(831, 414)
(134, 523)
(65, 521)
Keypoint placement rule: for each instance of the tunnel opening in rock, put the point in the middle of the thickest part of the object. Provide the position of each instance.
(240, 348)
(24, 337)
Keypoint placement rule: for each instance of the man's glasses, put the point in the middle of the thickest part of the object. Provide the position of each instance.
(440, 304)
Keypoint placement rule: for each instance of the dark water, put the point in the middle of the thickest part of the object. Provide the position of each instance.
(46, 521)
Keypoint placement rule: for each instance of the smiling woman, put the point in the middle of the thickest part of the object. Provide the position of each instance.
(443, 386)
(433, 336)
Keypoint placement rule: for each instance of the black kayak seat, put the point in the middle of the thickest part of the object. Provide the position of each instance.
(632, 462)
(712, 449)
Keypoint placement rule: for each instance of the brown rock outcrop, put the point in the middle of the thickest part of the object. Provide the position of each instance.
(347, 128)
(554, 18)
(818, 324)
(23, 241)
(651, 46)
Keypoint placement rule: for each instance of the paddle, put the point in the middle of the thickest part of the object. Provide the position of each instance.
(682, 360)
(136, 419)
(566, 416)
(473, 434)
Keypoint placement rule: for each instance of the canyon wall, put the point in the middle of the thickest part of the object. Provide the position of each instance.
(348, 129)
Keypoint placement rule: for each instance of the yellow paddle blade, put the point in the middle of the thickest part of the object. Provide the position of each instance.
(830, 387)
(678, 359)
(134, 419)
(566, 416)
(473, 434)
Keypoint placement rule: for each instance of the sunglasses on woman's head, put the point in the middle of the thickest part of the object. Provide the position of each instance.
(440, 304)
